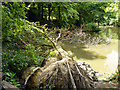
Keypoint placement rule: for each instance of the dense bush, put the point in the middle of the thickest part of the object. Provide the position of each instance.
(12, 15)
(92, 27)
(23, 43)
(118, 24)
(10, 77)
(16, 60)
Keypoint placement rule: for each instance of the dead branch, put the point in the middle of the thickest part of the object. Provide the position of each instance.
(71, 77)
(58, 36)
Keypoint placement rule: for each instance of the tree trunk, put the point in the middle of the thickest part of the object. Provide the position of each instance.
(45, 14)
(42, 11)
(59, 12)
(49, 12)
(39, 10)
(98, 23)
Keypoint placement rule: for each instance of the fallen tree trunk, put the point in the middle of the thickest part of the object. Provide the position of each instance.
(62, 72)
(65, 73)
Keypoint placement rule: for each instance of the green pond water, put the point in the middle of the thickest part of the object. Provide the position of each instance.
(103, 58)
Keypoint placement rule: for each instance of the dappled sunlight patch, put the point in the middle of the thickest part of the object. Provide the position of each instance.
(112, 61)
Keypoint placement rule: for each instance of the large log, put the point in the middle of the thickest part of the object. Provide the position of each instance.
(62, 73)
(7, 85)
(65, 73)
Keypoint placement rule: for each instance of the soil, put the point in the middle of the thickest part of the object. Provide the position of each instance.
(104, 84)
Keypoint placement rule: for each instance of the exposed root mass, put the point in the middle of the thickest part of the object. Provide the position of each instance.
(65, 73)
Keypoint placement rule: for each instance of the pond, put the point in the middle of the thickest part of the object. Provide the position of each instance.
(103, 58)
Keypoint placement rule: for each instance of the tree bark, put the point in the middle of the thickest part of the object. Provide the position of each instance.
(49, 11)
(39, 10)
(59, 12)
(42, 11)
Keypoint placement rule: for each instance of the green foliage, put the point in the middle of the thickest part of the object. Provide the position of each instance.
(24, 44)
(12, 15)
(69, 13)
(10, 77)
(53, 53)
(34, 57)
(118, 24)
(48, 87)
(16, 60)
(25, 47)
(115, 77)
(92, 27)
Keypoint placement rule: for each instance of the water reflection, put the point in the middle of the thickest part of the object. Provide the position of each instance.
(81, 52)
(102, 58)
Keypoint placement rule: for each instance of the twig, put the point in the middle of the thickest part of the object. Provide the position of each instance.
(58, 36)
(22, 41)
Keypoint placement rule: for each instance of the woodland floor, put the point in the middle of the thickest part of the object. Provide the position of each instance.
(103, 84)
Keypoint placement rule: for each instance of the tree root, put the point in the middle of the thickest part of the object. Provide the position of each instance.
(65, 73)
